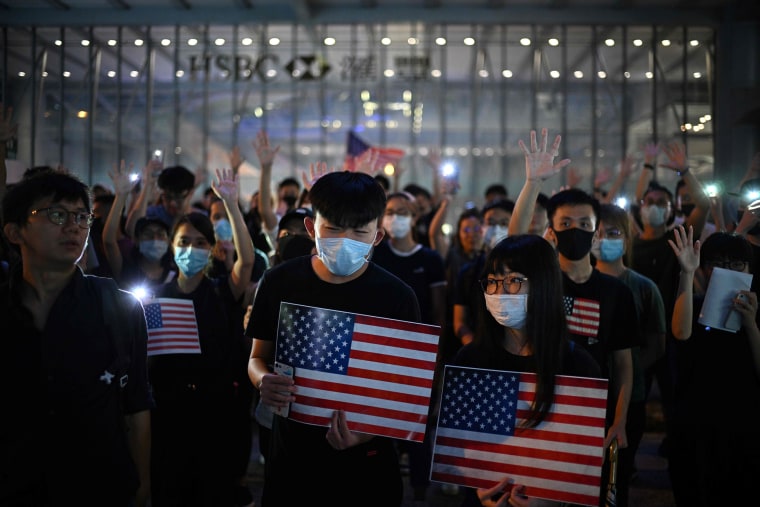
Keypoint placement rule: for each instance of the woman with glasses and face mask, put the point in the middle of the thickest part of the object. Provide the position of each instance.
(521, 327)
(714, 455)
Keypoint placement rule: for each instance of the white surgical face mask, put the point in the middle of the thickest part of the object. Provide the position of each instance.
(153, 249)
(342, 256)
(509, 310)
(492, 234)
(398, 226)
(653, 215)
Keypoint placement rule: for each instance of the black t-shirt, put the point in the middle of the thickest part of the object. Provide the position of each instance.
(302, 467)
(63, 432)
(601, 316)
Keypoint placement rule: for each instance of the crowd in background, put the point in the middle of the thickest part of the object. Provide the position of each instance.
(646, 267)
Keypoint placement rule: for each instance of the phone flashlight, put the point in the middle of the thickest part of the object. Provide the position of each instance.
(712, 189)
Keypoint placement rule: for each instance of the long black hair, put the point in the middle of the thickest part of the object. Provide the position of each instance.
(532, 256)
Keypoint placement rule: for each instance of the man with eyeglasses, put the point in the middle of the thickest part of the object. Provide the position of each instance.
(714, 459)
(73, 375)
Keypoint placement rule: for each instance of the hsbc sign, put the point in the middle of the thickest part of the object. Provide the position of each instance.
(246, 67)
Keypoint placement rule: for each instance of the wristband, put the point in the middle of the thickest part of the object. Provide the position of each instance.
(649, 166)
(682, 172)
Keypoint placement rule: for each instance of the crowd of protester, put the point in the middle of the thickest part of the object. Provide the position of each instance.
(131, 424)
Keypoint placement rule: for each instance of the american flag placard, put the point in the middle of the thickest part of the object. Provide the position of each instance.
(172, 328)
(358, 151)
(379, 370)
(582, 316)
(480, 438)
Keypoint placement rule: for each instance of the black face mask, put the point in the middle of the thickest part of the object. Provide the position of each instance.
(290, 200)
(686, 209)
(755, 231)
(295, 245)
(574, 243)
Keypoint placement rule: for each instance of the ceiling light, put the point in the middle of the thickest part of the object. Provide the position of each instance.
(385, 41)
(58, 42)
(637, 42)
(82, 114)
(329, 41)
(412, 41)
(525, 41)
(553, 42)
(435, 73)
(578, 74)
(192, 42)
(85, 43)
(165, 42)
(601, 74)
(219, 41)
(697, 75)
(139, 42)
(179, 73)
(441, 41)
(112, 42)
(707, 117)
(134, 73)
(665, 42)
(111, 73)
(483, 73)
(275, 41)
(554, 74)
(66, 73)
(610, 42)
(388, 73)
(469, 41)
(688, 126)
(21, 74)
(506, 73)
(694, 43)
(247, 41)
(627, 75)
(648, 74)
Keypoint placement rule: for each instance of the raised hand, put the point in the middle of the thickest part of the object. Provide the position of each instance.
(539, 163)
(573, 177)
(316, 171)
(226, 186)
(120, 177)
(626, 167)
(651, 150)
(686, 249)
(676, 153)
(264, 150)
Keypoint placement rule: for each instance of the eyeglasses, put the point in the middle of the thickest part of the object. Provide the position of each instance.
(613, 233)
(59, 215)
(734, 265)
(512, 284)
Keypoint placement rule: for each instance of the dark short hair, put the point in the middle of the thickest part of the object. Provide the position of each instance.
(719, 245)
(176, 179)
(507, 205)
(59, 185)
(496, 188)
(571, 197)
(289, 181)
(143, 222)
(198, 220)
(654, 186)
(348, 199)
(383, 181)
(295, 216)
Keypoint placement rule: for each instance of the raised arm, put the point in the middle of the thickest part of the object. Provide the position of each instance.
(148, 190)
(226, 187)
(122, 186)
(539, 166)
(266, 154)
(679, 163)
(687, 252)
(651, 150)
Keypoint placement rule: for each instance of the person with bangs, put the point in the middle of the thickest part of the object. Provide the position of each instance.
(716, 407)
(198, 426)
(521, 327)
